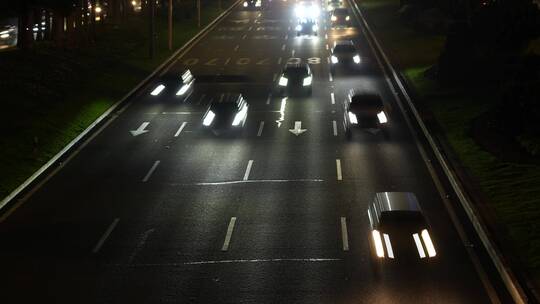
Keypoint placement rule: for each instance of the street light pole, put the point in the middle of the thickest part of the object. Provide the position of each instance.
(170, 25)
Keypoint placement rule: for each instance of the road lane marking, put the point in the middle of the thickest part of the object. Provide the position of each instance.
(326, 36)
(244, 37)
(251, 181)
(283, 47)
(149, 174)
(180, 129)
(279, 60)
(236, 47)
(140, 245)
(141, 129)
(105, 235)
(334, 125)
(327, 46)
(229, 234)
(338, 169)
(333, 98)
(330, 78)
(227, 61)
(306, 260)
(261, 126)
(274, 77)
(269, 98)
(248, 170)
(292, 53)
(344, 235)
(286, 36)
(289, 28)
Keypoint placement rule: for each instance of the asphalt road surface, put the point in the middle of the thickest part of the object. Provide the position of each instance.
(177, 215)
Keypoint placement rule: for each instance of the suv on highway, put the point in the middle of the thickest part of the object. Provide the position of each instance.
(226, 112)
(364, 111)
(399, 231)
(295, 77)
(307, 27)
(340, 17)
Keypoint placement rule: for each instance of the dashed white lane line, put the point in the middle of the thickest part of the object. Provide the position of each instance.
(236, 47)
(269, 98)
(333, 98)
(248, 170)
(149, 174)
(326, 36)
(338, 169)
(244, 37)
(334, 125)
(105, 235)
(274, 77)
(326, 46)
(227, 61)
(283, 47)
(292, 53)
(261, 127)
(344, 234)
(286, 36)
(330, 78)
(279, 61)
(229, 234)
(196, 263)
(180, 129)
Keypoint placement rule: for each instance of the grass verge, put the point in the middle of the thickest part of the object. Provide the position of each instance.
(50, 95)
(513, 189)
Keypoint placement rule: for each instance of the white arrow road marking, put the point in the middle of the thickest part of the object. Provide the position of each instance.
(261, 126)
(334, 125)
(229, 234)
(338, 169)
(248, 169)
(157, 90)
(149, 174)
(141, 129)
(344, 235)
(105, 235)
(297, 128)
(180, 129)
(333, 98)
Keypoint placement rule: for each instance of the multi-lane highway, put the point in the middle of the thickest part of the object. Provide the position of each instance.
(172, 214)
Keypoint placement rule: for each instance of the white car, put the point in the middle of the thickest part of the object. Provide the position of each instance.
(226, 113)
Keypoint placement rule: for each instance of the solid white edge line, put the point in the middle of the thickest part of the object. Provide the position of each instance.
(180, 129)
(333, 98)
(105, 235)
(261, 126)
(338, 169)
(248, 170)
(228, 236)
(334, 125)
(506, 274)
(344, 234)
(182, 50)
(151, 171)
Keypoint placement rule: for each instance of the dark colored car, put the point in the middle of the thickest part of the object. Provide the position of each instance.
(344, 54)
(295, 78)
(252, 4)
(364, 111)
(227, 112)
(399, 230)
(341, 17)
(307, 27)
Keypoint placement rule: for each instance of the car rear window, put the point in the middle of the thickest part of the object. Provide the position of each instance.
(366, 101)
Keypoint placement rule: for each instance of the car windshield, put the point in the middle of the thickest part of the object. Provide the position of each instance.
(341, 11)
(295, 72)
(223, 107)
(344, 48)
(366, 102)
(402, 220)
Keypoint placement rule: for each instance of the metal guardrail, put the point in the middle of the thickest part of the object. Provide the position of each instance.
(507, 276)
(107, 114)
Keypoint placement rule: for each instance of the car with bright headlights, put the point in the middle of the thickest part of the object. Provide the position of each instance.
(333, 4)
(252, 4)
(295, 78)
(307, 27)
(307, 10)
(399, 231)
(341, 17)
(363, 110)
(344, 54)
(226, 113)
(8, 36)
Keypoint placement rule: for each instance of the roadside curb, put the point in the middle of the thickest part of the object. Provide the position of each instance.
(507, 276)
(119, 106)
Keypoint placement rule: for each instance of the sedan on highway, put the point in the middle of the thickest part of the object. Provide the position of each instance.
(295, 77)
(399, 231)
(252, 4)
(307, 27)
(364, 111)
(344, 54)
(340, 17)
(333, 4)
(226, 113)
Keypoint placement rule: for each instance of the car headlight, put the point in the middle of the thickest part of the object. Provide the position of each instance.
(283, 81)
(245, 4)
(239, 117)
(382, 117)
(377, 241)
(352, 118)
(298, 28)
(347, 18)
(209, 118)
(258, 3)
(334, 59)
(307, 81)
(4, 36)
(356, 59)
(157, 90)
(333, 18)
(315, 28)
